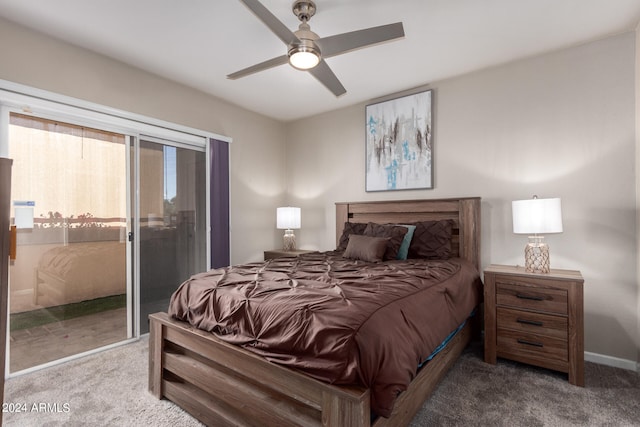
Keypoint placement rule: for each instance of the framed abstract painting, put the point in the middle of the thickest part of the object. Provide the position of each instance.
(399, 143)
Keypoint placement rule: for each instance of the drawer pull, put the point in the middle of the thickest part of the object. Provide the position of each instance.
(530, 322)
(530, 297)
(532, 343)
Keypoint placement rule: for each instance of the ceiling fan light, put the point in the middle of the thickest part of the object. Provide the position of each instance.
(304, 57)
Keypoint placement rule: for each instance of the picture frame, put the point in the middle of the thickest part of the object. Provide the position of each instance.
(399, 143)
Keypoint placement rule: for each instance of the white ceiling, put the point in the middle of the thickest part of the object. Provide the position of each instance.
(199, 42)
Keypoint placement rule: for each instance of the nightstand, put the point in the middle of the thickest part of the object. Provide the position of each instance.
(535, 319)
(278, 253)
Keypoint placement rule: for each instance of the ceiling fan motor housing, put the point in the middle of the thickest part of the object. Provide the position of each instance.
(304, 9)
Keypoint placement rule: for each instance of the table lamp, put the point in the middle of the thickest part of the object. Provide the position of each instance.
(533, 217)
(288, 218)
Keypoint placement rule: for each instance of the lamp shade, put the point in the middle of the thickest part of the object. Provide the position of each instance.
(537, 216)
(288, 218)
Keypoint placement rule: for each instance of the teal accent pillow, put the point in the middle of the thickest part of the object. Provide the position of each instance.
(403, 252)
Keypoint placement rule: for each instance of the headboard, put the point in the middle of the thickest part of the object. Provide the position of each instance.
(465, 212)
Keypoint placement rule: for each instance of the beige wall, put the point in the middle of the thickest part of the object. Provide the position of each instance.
(557, 125)
(257, 152)
(638, 176)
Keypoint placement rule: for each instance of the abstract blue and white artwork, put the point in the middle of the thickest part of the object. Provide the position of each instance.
(399, 144)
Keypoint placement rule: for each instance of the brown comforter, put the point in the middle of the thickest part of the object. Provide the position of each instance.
(338, 320)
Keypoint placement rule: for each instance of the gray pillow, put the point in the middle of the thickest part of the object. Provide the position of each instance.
(365, 248)
(349, 229)
(395, 234)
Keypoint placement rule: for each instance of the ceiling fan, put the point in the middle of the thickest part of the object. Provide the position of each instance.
(307, 51)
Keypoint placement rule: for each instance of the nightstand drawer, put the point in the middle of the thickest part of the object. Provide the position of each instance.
(536, 323)
(521, 346)
(537, 298)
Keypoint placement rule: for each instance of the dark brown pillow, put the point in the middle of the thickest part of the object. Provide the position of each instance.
(350, 228)
(431, 240)
(365, 248)
(395, 233)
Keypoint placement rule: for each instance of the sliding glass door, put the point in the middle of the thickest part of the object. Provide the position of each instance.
(109, 224)
(172, 212)
(69, 286)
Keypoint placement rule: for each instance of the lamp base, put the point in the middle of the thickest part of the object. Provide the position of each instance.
(289, 240)
(536, 256)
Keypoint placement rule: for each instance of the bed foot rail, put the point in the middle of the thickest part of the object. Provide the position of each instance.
(221, 384)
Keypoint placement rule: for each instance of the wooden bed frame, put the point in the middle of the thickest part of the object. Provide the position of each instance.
(221, 384)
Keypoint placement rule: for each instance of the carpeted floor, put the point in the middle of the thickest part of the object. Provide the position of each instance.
(104, 389)
(510, 394)
(110, 389)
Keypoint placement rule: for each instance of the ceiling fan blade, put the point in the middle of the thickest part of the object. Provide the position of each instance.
(341, 43)
(323, 73)
(259, 67)
(269, 19)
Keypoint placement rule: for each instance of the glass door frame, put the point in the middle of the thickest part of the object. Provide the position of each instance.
(137, 218)
(132, 334)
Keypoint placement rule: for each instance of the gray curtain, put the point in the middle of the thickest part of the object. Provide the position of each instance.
(219, 197)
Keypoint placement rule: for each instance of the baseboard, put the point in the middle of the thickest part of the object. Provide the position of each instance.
(615, 362)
